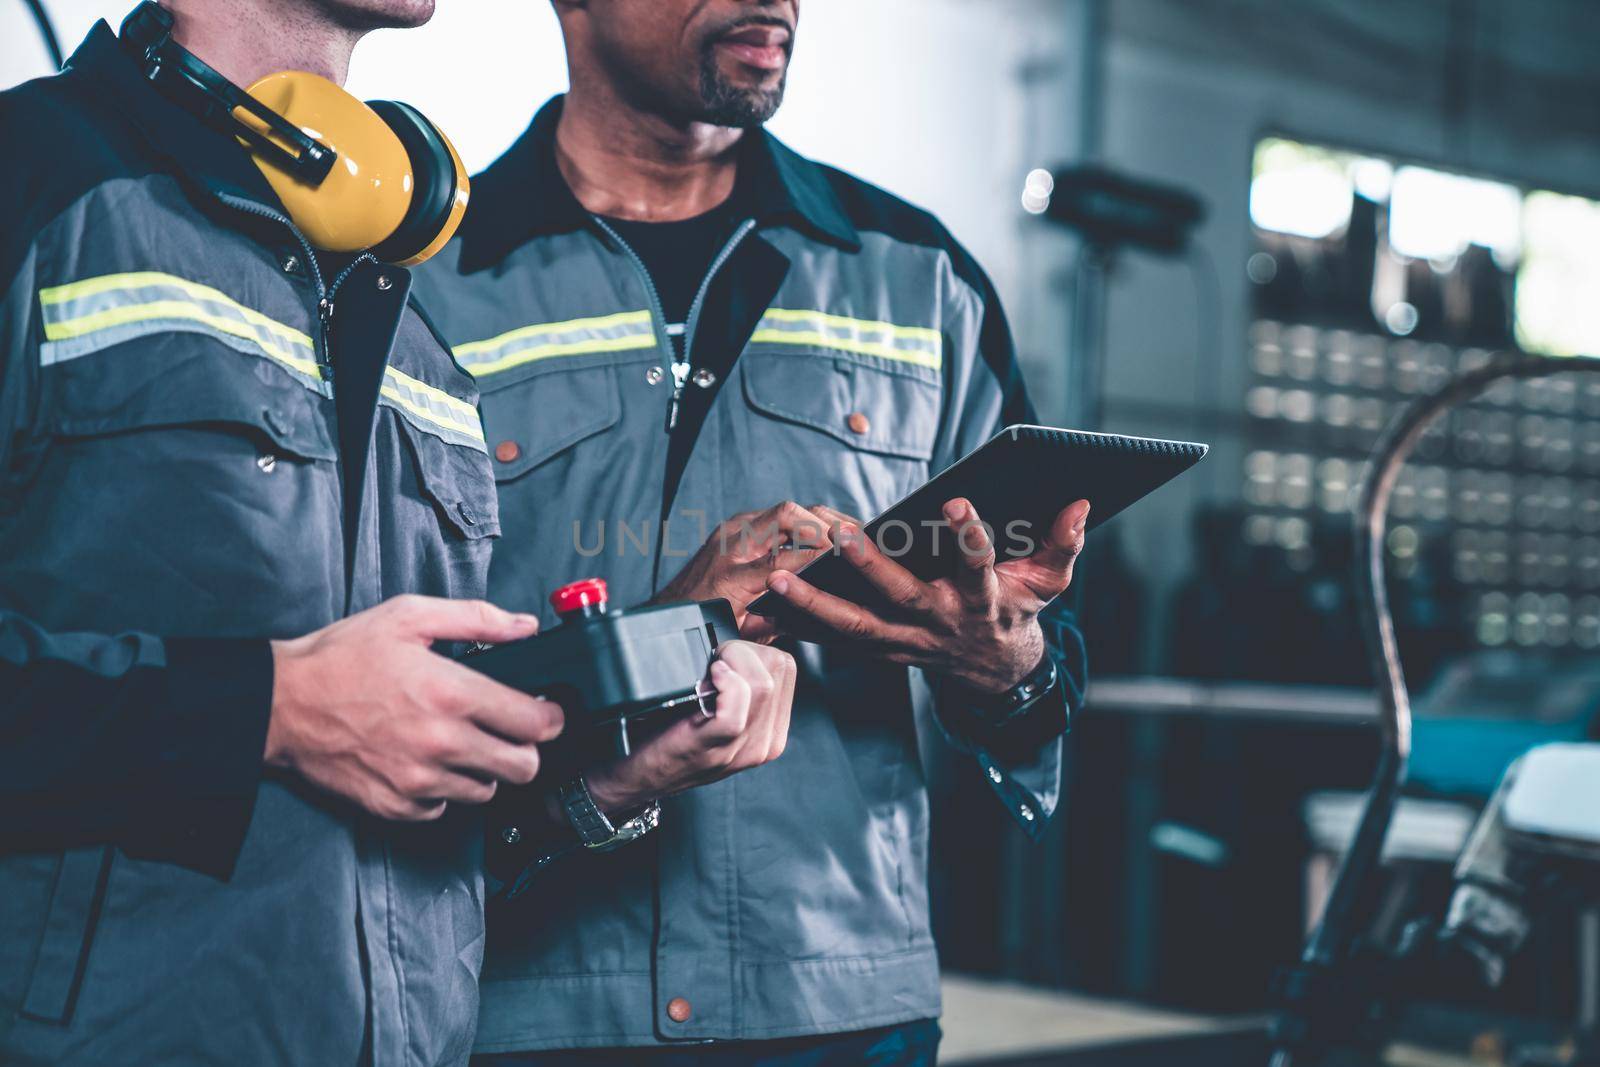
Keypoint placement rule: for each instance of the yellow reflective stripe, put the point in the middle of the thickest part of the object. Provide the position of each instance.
(174, 309)
(917, 345)
(105, 283)
(424, 404)
(909, 333)
(72, 312)
(145, 279)
(605, 322)
(414, 397)
(862, 348)
(457, 407)
(575, 337)
(573, 348)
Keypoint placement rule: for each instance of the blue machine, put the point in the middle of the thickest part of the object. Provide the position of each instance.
(1486, 710)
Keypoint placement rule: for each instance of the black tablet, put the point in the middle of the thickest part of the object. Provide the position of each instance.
(1018, 481)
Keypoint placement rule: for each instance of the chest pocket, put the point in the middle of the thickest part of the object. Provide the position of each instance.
(532, 415)
(181, 381)
(440, 528)
(218, 464)
(454, 480)
(436, 494)
(872, 425)
(200, 358)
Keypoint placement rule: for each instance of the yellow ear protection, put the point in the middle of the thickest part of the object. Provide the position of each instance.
(353, 176)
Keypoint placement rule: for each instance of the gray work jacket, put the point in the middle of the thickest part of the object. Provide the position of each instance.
(180, 482)
(792, 899)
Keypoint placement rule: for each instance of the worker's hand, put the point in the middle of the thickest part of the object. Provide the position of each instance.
(742, 553)
(980, 626)
(366, 710)
(755, 691)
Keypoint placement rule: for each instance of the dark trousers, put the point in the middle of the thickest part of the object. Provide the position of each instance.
(907, 1045)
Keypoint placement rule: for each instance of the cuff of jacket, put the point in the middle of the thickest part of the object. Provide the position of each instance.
(1008, 752)
(1016, 739)
(205, 762)
(521, 841)
(1030, 808)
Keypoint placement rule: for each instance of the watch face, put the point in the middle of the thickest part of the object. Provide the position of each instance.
(632, 829)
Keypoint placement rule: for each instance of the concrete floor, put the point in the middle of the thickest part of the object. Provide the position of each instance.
(986, 1020)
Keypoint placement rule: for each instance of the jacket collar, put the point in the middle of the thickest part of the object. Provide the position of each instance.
(192, 149)
(523, 194)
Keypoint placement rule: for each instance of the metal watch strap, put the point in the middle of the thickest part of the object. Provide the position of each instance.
(594, 829)
(1001, 707)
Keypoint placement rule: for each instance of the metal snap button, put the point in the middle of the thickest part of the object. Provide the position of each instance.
(291, 263)
(511, 835)
(507, 451)
(466, 514)
(678, 1010)
(267, 462)
(385, 283)
(994, 775)
(653, 376)
(859, 424)
(1026, 813)
(704, 378)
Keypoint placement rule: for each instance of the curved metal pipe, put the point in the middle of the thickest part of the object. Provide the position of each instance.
(1330, 945)
(47, 31)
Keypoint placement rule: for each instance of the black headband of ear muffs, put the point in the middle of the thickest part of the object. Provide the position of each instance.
(185, 77)
(434, 181)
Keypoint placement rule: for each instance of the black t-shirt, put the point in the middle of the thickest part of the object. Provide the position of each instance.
(678, 256)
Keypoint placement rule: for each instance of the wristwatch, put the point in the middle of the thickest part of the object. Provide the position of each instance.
(595, 830)
(1000, 708)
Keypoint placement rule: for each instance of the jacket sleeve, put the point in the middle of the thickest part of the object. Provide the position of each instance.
(151, 744)
(1021, 758)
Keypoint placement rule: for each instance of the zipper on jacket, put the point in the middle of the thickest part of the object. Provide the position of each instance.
(680, 376)
(324, 296)
(324, 358)
(657, 310)
(325, 302)
(680, 364)
(325, 292)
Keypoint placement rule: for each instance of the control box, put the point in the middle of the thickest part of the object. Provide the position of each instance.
(608, 667)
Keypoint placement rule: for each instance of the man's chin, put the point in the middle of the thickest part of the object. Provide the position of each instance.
(727, 103)
(744, 113)
(385, 14)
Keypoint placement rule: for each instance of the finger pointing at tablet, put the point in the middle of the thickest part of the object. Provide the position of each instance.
(980, 625)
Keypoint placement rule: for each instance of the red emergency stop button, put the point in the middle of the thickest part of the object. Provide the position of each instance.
(579, 596)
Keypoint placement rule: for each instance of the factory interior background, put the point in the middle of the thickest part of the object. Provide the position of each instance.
(1389, 192)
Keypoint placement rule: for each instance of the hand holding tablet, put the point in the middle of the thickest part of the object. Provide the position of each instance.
(953, 577)
(976, 625)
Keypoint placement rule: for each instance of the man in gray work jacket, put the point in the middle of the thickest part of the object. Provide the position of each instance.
(673, 319)
(170, 500)
(219, 753)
